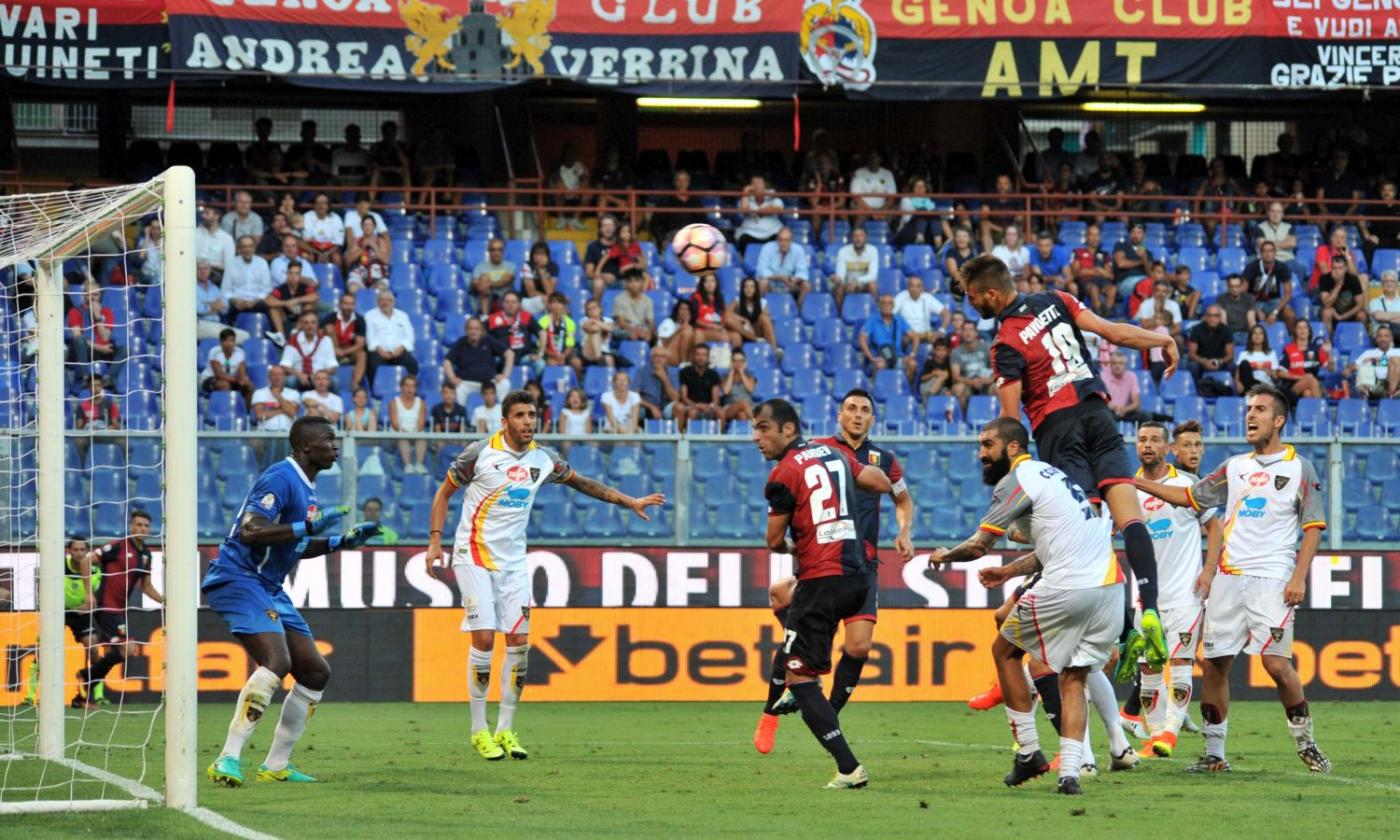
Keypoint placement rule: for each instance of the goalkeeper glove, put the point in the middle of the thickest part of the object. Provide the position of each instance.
(358, 536)
(321, 522)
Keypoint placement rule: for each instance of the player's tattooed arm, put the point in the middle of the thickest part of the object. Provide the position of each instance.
(612, 495)
(971, 548)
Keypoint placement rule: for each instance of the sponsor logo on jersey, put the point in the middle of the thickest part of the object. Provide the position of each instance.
(1161, 529)
(794, 664)
(1259, 479)
(267, 501)
(1253, 507)
(841, 529)
(1153, 503)
(517, 473)
(515, 498)
(1281, 481)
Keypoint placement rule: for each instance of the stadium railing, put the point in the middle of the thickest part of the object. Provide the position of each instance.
(713, 484)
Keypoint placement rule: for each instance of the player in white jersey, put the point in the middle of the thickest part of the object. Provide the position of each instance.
(1260, 574)
(1070, 619)
(502, 474)
(1176, 540)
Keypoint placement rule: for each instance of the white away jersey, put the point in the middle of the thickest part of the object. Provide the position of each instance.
(1176, 541)
(1071, 541)
(1269, 497)
(501, 486)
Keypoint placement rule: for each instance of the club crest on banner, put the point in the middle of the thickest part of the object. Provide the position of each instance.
(525, 31)
(431, 28)
(838, 41)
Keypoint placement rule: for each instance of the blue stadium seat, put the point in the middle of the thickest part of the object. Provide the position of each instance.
(1350, 337)
(769, 383)
(808, 382)
(386, 381)
(890, 282)
(838, 358)
(780, 305)
(1313, 417)
(225, 411)
(981, 410)
(237, 463)
(944, 415)
(1229, 261)
(1180, 384)
(1229, 416)
(900, 415)
(596, 380)
(1189, 408)
(817, 305)
(856, 308)
(254, 323)
(659, 526)
(1194, 256)
(707, 461)
(890, 383)
(848, 379)
(557, 379)
(1388, 417)
(1381, 469)
(916, 259)
(1373, 523)
(1353, 417)
(827, 333)
(1356, 495)
(1385, 259)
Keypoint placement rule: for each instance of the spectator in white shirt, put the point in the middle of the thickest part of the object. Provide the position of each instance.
(570, 175)
(213, 244)
(359, 211)
(1274, 229)
(1160, 301)
(211, 305)
(324, 231)
(226, 368)
(925, 314)
(871, 184)
(308, 352)
(275, 405)
(783, 265)
(1385, 309)
(761, 209)
(247, 282)
(486, 418)
(1014, 253)
(322, 402)
(389, 337)
(857, 267)
(243, 221)
(622, 406)
(291, 252)
(1378, 368)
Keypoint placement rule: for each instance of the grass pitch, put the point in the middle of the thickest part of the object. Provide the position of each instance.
(689, 769)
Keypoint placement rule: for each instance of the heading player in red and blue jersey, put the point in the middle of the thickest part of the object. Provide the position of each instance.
(856, 416)
(1040, 360)
(812, 494)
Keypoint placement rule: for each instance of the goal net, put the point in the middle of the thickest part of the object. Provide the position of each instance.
(98, 561)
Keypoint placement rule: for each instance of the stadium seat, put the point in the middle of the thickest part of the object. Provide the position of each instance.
(817, 305)
(1313, 417)
(1194, 257)
(838, 358)
(1353, 417)
(848, 379)
(780, 305)
(1180, 384)
(943, 414)
(916, 258)
(1229, 416)
(856, 308)
(827, 333)
(557, 379)
(1381, 468)
(1349, 337)
(225, 411)
(386, 381)
(1189, 408)
(1229, 261)
(900, 415)
(328, 489)
(1388, 417)
(1373, 523)
(981, 410)
(1385, 259)
(890, 383)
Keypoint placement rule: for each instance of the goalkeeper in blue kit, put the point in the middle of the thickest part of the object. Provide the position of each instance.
(278, 524)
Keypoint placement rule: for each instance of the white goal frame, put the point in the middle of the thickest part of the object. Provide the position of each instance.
(180, 406)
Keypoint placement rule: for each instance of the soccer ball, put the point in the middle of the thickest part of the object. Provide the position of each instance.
(700, 249)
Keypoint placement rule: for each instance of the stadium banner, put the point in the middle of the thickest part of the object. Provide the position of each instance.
(692, 576)
(102, 43)
(984, 49)
(591, 654)
(728, 47)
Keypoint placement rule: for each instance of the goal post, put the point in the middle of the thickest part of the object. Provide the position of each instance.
(42, 231)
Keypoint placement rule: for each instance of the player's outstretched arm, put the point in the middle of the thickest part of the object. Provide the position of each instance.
(1127, 335)
(258, 531)
(613, 496)
(970, 549)
(1169, 493)
(1021, 566)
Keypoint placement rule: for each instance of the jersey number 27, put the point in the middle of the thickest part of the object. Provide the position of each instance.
(818, 478)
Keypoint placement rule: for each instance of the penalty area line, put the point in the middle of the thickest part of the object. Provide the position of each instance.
(213, 819)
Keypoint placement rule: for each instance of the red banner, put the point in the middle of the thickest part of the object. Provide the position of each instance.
(100, 42)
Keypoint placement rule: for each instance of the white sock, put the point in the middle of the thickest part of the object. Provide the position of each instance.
(1215, 737)
(253, 701)
(1071, 756)
(478, 682)
(1301, 728)
(1154, 710)
(297, 709)
(1023, 730)
(1106, 704)
(1179, 701)
(512, 683)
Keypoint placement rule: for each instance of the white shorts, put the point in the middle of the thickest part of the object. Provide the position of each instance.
(1245, 613)
(1181, 626)
(498, 600)
(1067, 628)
